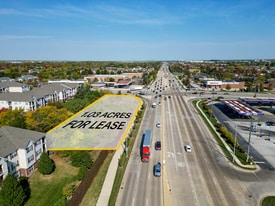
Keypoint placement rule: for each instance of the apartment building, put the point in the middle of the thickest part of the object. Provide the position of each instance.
(20, 150)
(18, 96)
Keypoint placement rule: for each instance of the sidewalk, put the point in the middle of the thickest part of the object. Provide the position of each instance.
(109, 179)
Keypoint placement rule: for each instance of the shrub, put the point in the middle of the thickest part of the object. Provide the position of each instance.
(68, 190)
(223, 130)
(81, 159)
(81, 173)
(46, 165)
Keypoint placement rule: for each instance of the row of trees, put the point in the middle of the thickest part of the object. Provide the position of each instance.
(225, 134)
(68, 70)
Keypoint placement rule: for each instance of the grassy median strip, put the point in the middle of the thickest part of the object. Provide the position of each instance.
(214, 133)
(240, 154)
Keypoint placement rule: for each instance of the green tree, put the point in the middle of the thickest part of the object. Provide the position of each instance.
(81, 173)
(261, 87)
(83, 98)
(45, 165)
(45, 118)
(81, 158)
(75, 105)
(23, 181)
(270, 86)
(11, 193)
(14, 118)
(228, 75)
(228, 87)
(249, 86)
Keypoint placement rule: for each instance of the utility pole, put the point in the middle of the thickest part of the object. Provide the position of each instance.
(126, 147)
(251, 119)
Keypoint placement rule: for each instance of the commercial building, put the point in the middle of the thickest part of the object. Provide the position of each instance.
(241, 108)
(228, 85)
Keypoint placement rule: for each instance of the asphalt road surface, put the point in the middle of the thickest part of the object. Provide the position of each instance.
(202, 177)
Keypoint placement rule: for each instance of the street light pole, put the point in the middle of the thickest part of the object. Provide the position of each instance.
(235, 142)
(249, 138)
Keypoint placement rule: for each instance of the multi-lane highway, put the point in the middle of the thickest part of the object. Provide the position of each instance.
(201, 177)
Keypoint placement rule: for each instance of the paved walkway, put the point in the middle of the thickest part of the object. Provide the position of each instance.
(109, 179)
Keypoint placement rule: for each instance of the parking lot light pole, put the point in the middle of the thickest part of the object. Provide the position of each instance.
(249, 137)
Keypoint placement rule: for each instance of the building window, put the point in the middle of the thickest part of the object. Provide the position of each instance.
(30, 169)
(12, 167)
(30, 148)
(31, 158)
(38, 152)
(37, 143)
(13, 155)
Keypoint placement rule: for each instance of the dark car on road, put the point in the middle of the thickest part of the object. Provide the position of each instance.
(158, 145)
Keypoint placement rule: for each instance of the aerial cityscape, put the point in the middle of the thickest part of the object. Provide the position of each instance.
(137, 103)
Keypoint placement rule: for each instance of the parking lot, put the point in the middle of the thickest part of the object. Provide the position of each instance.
(262, 137)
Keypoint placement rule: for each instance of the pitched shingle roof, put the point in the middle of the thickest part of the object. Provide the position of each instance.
(13, 138)
(37, 92)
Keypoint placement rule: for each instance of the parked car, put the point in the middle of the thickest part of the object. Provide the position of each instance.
(158, 145)
(157, 170)
(187, 148)
(158, 125)
(270, 123)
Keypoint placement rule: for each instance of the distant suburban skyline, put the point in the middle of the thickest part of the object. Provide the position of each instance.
(119, 30)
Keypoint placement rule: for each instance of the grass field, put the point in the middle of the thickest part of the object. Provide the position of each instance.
(47, 189)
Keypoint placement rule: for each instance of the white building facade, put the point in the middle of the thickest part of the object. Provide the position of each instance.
(20, 150)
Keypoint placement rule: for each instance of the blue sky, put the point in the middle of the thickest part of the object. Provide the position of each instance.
(137, 30)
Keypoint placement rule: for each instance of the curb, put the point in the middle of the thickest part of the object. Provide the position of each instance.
(234, 157)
